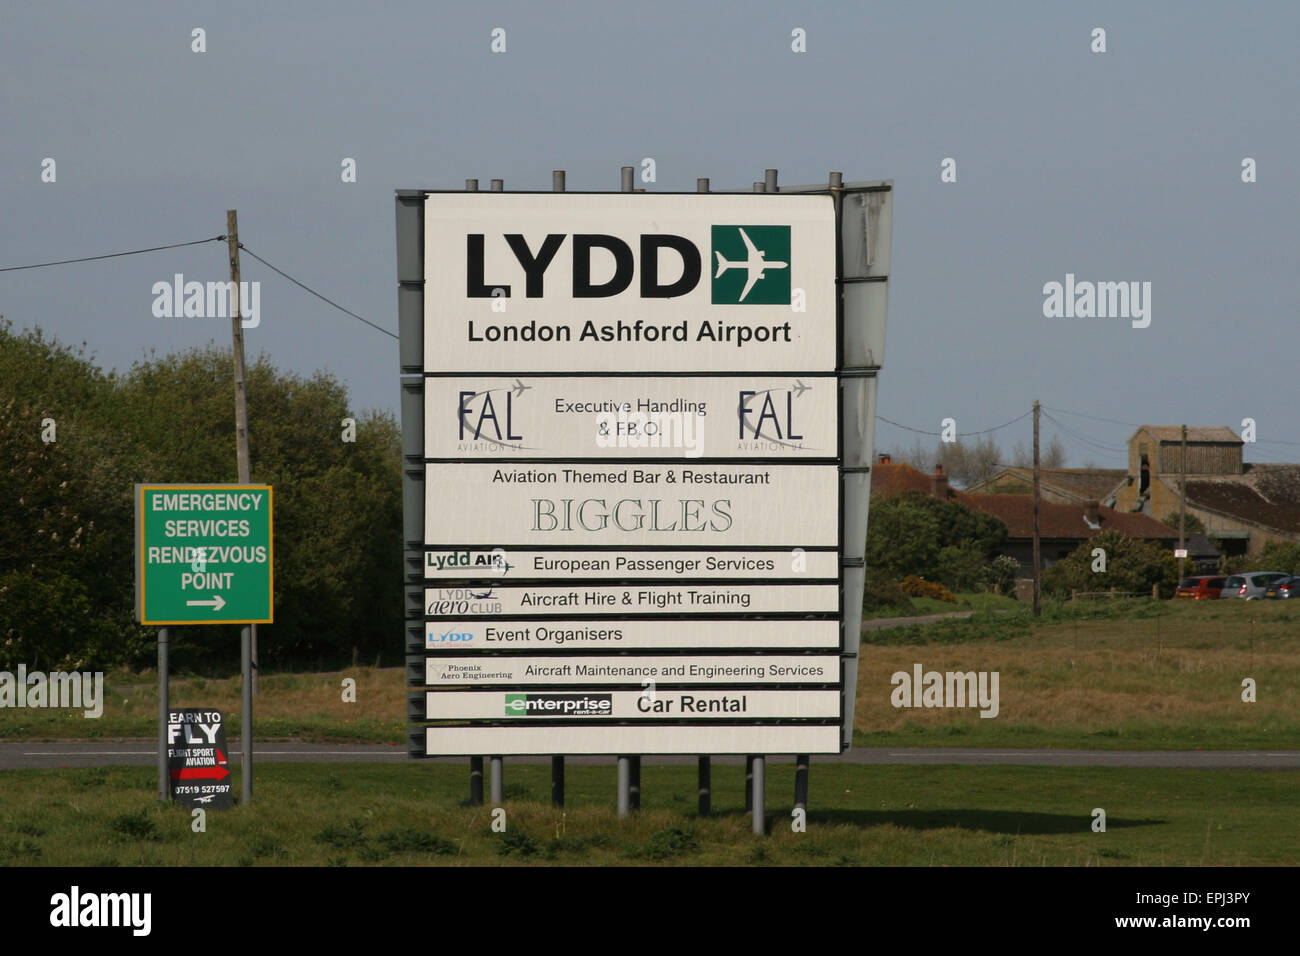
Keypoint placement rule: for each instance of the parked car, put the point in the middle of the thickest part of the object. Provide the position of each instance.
(1284, 588)
(1201, 587)
(1250, 585)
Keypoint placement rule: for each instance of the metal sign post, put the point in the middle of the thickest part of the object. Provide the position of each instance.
(204, 554)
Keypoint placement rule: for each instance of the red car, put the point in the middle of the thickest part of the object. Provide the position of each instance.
(1201, 588)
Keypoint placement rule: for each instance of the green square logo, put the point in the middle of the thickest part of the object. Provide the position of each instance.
(751, 265)
(516, 705)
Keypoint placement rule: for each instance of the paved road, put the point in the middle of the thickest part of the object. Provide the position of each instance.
(73, 753)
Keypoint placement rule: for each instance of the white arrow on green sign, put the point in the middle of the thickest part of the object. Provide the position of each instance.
(204, 554)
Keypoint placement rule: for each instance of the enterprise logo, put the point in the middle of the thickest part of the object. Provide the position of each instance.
(559, 705)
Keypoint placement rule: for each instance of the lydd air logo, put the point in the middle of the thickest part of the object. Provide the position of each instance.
(751, 265)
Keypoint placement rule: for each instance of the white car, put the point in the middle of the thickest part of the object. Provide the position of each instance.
(1250, 585)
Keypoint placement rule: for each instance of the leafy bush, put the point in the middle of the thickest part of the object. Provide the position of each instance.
(667, 843)
(517, 841)
(907, 533)
(881, 595)
(1001, 574)
(919, 587)
(961, 567)
(1277, 556)
(1131, 566)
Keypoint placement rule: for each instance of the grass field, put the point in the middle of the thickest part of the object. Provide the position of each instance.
(1116, 675)
(350, 814)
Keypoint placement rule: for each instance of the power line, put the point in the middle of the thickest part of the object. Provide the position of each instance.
(1093, 443)
(315, 293)
(1093, 417)
(113, 255)
(985, 431)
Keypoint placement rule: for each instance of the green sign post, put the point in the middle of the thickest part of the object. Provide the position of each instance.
(204, 554)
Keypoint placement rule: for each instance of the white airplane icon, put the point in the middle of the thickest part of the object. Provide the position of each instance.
(755, 265)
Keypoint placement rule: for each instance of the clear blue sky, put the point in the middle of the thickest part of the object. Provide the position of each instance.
(1123, 165)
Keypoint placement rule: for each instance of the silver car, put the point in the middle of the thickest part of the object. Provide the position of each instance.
(1250, 585)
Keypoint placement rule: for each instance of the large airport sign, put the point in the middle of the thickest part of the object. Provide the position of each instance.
(625, 477)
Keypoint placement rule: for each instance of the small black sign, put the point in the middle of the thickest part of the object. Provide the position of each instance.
(196, 759)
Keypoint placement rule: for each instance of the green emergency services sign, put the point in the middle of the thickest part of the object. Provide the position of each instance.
(204, 554)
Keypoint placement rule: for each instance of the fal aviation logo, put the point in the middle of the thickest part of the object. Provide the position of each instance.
(752, 265)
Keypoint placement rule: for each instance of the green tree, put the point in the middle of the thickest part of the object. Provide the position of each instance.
(1192, 526)
(907, 533)
(1131, 565)
(67, 532)
(338, 547)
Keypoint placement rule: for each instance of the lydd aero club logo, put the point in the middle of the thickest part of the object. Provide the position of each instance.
(752, 265)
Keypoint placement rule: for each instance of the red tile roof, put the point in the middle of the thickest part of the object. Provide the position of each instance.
(895, 479)
(1066, 521)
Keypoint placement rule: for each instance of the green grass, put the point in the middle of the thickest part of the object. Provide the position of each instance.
(412, 814)
(975, 601)
(1122, 674)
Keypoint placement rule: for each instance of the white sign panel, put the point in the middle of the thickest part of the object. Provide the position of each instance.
(631, 704)
(544, 636)
(674, 599)
(469, 563)
(639, 739)
(573, 282)
(499, 505)
(531, 671)
(598, 417)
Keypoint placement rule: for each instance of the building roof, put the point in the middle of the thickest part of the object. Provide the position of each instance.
(1199, 433)
(1066, 521)
(1265, 495)
(893, 479)
(1081, 483)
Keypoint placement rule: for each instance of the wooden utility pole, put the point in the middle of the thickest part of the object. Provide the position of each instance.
(1038, 572)
(1182, 507)
(241, 392)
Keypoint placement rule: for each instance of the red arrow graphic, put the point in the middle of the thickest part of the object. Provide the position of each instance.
(201, 773)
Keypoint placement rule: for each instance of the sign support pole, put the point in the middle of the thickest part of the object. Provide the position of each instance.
(704, 765)
(164, 787)
(625, 176)
(557, 760)
(749, 784)
(758, 791)
(624, 786)
(801, 782)
(476, 781)
(246, 718)
(498, 784)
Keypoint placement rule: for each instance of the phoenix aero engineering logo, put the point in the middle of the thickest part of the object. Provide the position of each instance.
(559, 705)
(753, 265)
